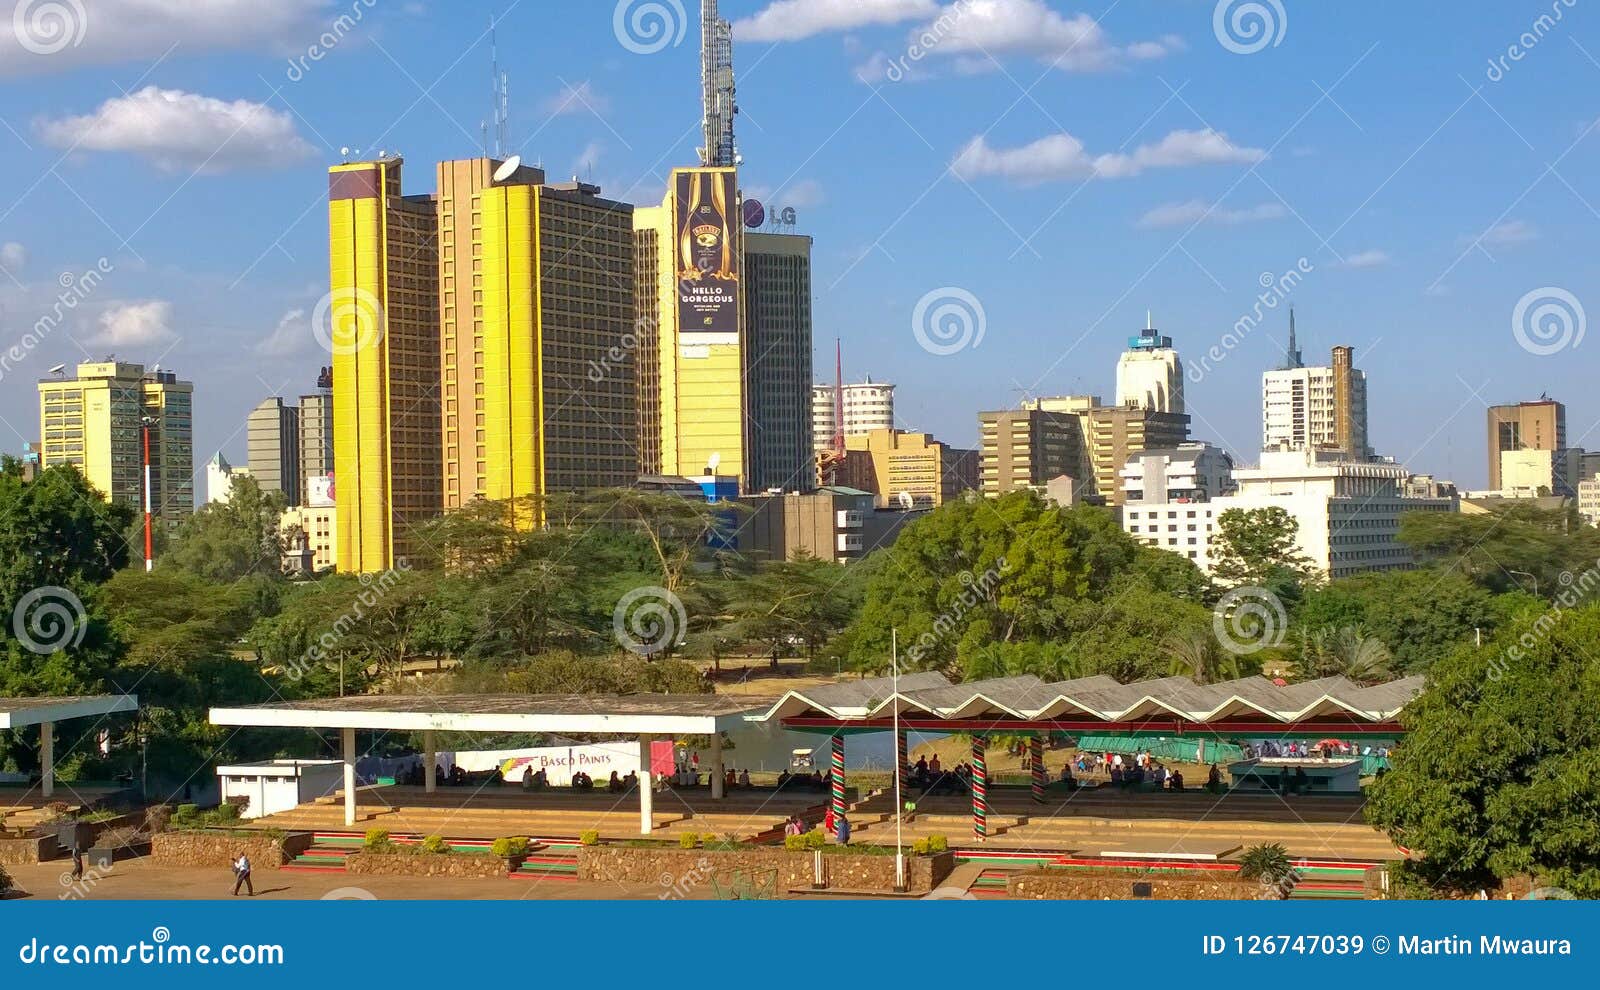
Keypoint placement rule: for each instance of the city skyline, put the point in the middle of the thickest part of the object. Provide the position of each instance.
(185, 173)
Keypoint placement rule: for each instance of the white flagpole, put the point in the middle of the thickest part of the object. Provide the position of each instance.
(899, 806)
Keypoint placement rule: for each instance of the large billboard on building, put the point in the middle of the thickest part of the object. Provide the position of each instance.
(707, 251)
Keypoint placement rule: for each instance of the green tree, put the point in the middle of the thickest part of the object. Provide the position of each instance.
(232, 539)
(1195, 653)
(1254, 546)
(1516, 547)
(1499, 772)
(1420, 615)
(1344, 651)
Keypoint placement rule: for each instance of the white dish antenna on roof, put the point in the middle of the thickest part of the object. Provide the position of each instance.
(712, 462)
(508, 168)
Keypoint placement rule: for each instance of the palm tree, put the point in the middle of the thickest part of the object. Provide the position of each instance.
(1346, 651)
(1197, 653)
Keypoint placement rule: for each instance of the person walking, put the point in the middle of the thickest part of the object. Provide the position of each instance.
(241, 873)
(77, 859)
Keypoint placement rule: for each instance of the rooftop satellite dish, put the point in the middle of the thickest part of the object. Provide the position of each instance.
(58, 369)
(345, 152)
(155, 368)
(508, 168)
(712, 462)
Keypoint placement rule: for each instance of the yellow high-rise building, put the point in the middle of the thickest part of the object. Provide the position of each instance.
(96, 420)
(384, 327)
(691, 328)
(537, 311)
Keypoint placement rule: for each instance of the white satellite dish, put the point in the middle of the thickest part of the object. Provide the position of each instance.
(155, 368)
(58, 369)
(508, 168)
(345, 152)
(712, 462)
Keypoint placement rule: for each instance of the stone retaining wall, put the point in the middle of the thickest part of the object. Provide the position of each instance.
(219, 849)
(461, 865)
(680, 869)
(1079, 885)
(28, 851)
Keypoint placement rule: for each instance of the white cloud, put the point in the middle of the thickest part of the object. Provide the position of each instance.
(1062, 156)
(105, 32)
(802, 195)
(1507, 234)
(795, 20)
(1198, 211)
(135, 324)
(13, 256)
(1365, 260)
(291, 336)
(581, 98)
(179, 131)
(992, 28)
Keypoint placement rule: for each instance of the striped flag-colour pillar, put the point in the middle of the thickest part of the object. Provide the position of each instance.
(980, 789)
(836, 775)
(1036, 759)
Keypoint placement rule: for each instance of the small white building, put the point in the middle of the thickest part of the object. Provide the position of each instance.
(279, 785)
(1195, 472)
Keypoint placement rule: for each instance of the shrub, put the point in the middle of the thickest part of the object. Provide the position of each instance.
(707, 838)
(434, 845)
(186, 814)
(240, 802)
(688, 840)
(794, 843)
(226, 813)
(157, 817)
(510, 847)
(938, 844)
(5, 882)
(591, 837)
(377, 840)
(919, 847)
(1268, 862)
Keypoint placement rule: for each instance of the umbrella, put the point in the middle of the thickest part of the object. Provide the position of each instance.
(1337, 743)
(1280, 682)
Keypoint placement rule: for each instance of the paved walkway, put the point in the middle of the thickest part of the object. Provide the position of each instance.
(140, 879)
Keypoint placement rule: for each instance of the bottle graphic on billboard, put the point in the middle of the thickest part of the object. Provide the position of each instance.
(708, 257)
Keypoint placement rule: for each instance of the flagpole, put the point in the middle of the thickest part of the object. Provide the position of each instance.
(899, 814)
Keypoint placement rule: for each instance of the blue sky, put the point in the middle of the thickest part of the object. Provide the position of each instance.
(1067, 165)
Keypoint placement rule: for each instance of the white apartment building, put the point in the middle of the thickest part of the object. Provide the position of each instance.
(219, 478)
(1589, 500)
(1190, 472)
(1348, 512)
(868, 406)
(1302, 408)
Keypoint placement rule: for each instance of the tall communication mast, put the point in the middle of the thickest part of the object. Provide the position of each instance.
(716, 82)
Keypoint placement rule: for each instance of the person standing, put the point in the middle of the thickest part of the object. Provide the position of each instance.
(241, 872)
(842, 824)
(77, 858)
